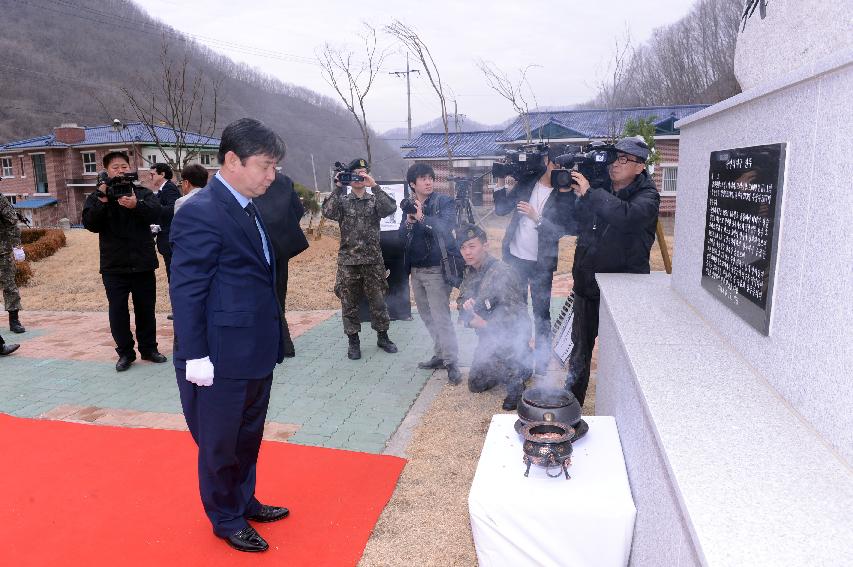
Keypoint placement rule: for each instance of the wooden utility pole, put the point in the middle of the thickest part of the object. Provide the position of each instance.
(408, 73)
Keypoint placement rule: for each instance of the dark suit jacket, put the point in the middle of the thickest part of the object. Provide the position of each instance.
(558, 220)
(282, 210)
(222, 288)
(167, 197)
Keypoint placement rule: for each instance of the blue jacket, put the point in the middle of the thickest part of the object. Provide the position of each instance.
(222, 288)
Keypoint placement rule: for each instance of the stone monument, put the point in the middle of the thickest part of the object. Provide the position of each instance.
(732, 380)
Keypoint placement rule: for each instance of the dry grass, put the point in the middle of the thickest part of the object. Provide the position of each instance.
(69, 280)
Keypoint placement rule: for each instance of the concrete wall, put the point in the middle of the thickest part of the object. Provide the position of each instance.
(809, 354)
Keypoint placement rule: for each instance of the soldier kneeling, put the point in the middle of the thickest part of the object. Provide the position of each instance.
(493, 303)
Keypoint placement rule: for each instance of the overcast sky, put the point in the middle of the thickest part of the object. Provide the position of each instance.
(572, 40)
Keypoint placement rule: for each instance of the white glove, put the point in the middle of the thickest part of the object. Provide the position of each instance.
(200, 371)
(19, 254)
(155, 228)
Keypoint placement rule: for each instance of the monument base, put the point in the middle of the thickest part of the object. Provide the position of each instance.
(723, 471)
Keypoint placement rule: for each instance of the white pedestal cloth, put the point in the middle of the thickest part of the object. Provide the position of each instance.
(542, 521)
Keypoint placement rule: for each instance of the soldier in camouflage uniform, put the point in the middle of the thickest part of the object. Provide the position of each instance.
(493, 302)
(361, 269)
(10, 238)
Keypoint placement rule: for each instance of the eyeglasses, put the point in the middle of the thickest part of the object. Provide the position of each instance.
(622, 160)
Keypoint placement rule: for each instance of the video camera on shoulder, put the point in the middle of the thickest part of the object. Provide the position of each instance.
(118, 186)
(521, 163)
(591, 161)
(345, 176)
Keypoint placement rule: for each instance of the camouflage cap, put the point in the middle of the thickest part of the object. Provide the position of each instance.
(358, 163)
(635, 146)
(468, 231)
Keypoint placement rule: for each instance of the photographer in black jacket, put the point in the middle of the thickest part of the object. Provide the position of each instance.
(430, 216)
(540, 217)
(617, 229)
(122, 214)
(167, 193)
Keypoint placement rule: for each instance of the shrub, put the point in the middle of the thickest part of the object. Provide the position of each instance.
(309, 199)
(23, 273)
(47, 243)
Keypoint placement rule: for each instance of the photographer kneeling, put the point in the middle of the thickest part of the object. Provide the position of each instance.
(493, 302)
(122, 214)
(617, 229)
(425, 231)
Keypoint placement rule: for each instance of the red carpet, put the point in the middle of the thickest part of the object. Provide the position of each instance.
(93, 495)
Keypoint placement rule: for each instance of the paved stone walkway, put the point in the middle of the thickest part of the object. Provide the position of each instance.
(65, 370)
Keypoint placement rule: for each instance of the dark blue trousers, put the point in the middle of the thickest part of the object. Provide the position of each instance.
(226, 421)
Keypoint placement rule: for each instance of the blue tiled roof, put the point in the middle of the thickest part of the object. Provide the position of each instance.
(464, 144)
(134, 132)
(596, 123)
(35, 203)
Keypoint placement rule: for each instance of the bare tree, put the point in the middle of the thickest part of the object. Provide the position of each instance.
(185, 102)
(512, 91)
(611, 87)
(412, 41)
(352, 77)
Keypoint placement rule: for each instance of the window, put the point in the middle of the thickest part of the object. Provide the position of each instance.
(205, 159)
(670, 179)
(152, 159)
(6, 167)
(89, 163)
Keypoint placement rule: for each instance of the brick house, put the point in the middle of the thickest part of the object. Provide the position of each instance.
(48, 177)
(477, 150)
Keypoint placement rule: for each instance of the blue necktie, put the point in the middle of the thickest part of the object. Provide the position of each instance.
(253, 214)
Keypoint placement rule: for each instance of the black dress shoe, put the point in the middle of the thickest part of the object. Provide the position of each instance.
(431, 364)
(269, 514)
(8, 349)
(454, 376)
(154, 357)
(289, 349)
(247, 539)
(124, 362)
(510, 403)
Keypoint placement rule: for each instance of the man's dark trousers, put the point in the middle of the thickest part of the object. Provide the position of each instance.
(540, 282)
(584, 332)
(141, 286)
(226, 419)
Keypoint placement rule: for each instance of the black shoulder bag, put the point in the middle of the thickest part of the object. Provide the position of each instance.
(452, 265)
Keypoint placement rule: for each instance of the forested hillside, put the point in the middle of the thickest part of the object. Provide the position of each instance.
(66, 61)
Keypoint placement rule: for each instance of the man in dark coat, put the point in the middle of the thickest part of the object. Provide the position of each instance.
(128, 260)
(167, 193)
(541, 215)
(281, 210)
(617, 230)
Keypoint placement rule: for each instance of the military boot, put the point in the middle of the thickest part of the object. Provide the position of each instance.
(14, 324)
(354, 349)
(383, 342)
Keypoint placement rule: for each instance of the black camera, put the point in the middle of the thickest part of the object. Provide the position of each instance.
(345, 176)
(119, 186)
(408, 207)
(462, 186)
(591, 162)
(526, 161)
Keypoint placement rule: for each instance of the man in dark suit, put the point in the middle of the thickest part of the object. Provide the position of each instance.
(281, 210)
(228, 333)
(167, 193)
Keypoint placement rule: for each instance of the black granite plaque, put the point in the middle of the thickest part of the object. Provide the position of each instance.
(742, 229)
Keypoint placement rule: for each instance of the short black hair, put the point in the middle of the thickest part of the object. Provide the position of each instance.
(419, 170)
(163, 169)
(111, 156)
(195, 174)
(248, 137)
